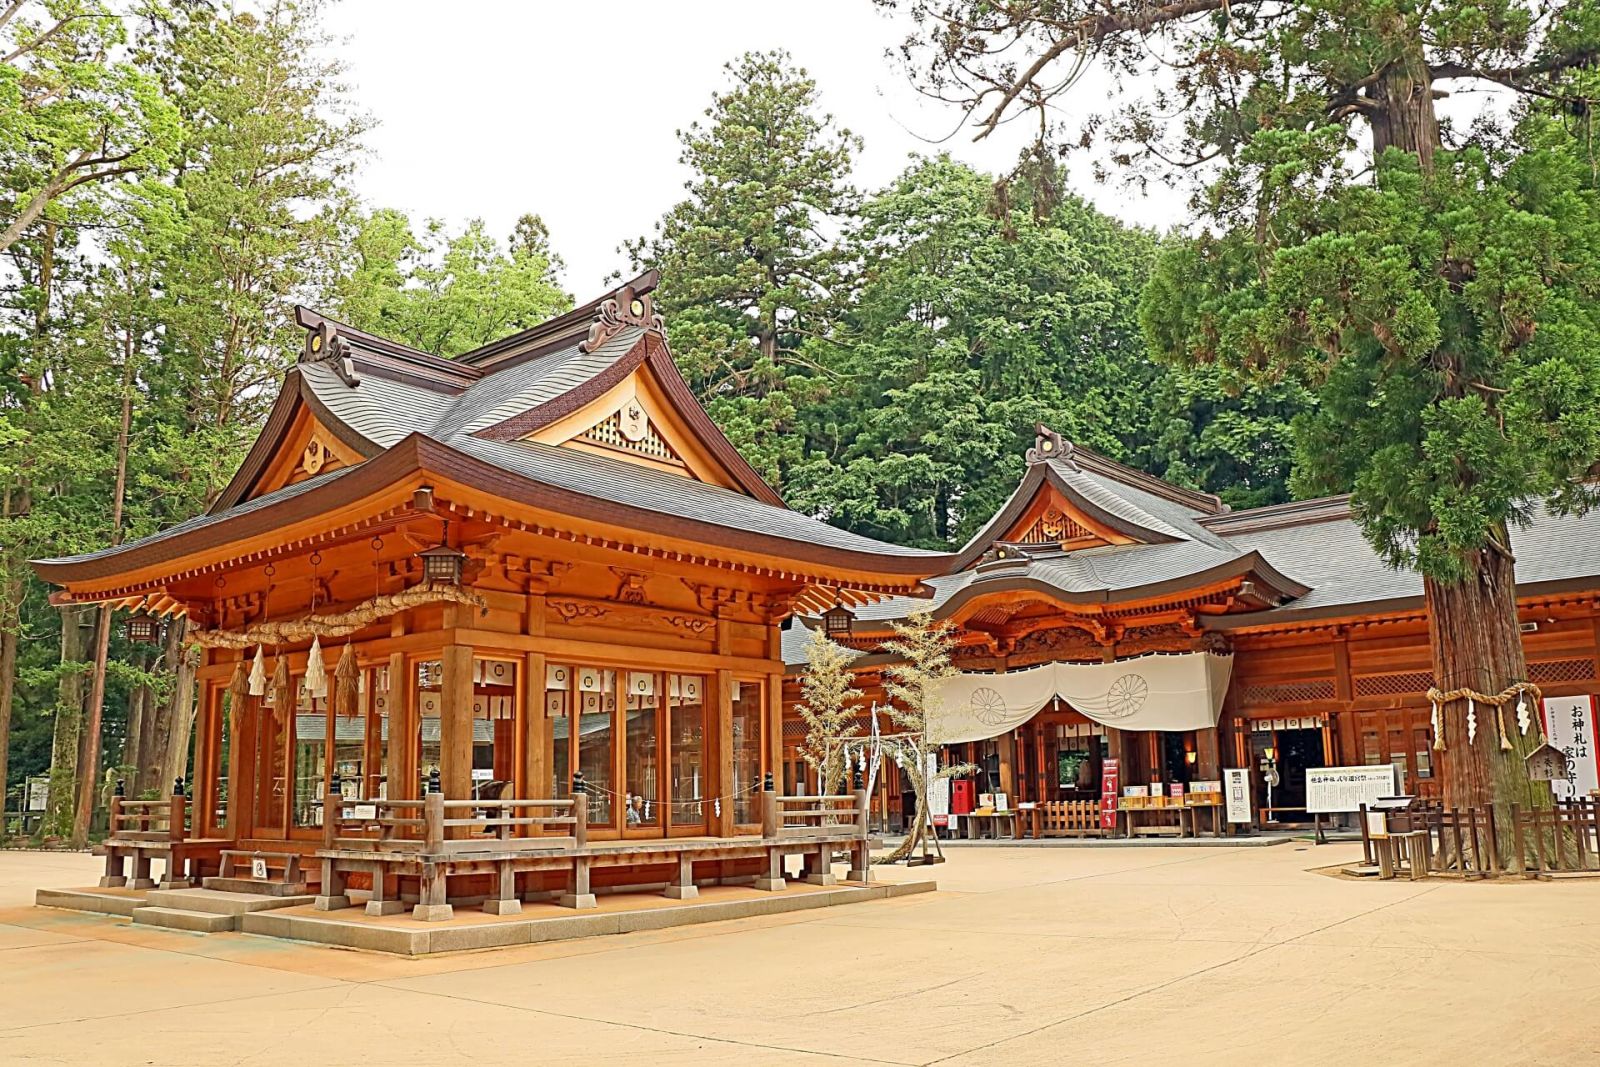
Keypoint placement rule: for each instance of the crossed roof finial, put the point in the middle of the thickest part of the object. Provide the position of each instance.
(1049, 445)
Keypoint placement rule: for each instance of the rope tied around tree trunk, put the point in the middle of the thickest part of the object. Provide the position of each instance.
(1518, 691)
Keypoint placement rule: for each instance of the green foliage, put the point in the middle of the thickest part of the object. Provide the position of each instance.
(448, 294)
(75, 123)
(1447, 319)
(750, 281)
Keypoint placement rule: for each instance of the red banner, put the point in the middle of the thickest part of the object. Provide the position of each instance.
(1110, 786)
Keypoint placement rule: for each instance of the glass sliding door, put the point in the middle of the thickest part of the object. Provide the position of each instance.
(597, 742)
(642, 754)
(687, 730)
(749, 704)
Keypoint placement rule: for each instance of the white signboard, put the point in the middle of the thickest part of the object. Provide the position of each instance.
(938, 790)
(1236, 783)
(1569, 723)
(364, 812)
(1335, 789)
(38, 797)
(258, 868)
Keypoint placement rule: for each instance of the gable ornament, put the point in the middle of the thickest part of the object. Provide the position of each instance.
(1049, 445)
(630, 307)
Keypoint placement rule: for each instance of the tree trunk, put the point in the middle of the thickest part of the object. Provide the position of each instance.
(67, 727)
(180, 716)
(1476, 644)
(9, 625)
(90, 770)
(139, 702)
(1402, 111)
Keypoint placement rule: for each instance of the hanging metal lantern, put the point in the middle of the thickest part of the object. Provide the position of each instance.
(143, 628)
(442, 564)
(838, 621)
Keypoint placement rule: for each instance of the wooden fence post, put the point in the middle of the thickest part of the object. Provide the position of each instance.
(433, 818)
(860, 852)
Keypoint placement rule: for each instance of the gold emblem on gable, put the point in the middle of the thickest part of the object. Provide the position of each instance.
(315, 456)
(633, 422)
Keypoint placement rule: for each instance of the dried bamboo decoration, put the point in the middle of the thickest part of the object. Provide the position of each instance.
(346, 683)
(238, 687)
(280, 688)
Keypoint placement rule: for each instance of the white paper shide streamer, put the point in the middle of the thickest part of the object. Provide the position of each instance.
(258, 675)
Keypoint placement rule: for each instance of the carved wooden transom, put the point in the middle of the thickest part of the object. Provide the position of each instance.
(1056, 525)
(629, 430)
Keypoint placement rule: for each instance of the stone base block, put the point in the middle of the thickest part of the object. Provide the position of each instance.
(578, 900)
(821, 879)
(331, 903)
(855, 875)
(770, 885)
(681, 892)
(502, 907)
(181, 883)
(198, 922)
(385, 907)
(433, 913)
(142, 883)
(113, 882)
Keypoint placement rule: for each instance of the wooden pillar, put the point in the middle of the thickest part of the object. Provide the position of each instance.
(773, 756)
(207, 746)
(402, 757)
(455, 722)
(721, 745)
(538, 735)
(240, 817)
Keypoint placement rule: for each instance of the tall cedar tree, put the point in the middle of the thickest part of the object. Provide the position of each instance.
(751, 279)
(1441, 297)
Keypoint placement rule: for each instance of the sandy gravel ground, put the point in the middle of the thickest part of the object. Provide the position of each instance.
(1145, 956)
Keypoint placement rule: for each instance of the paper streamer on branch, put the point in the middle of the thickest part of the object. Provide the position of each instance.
(1157, 692)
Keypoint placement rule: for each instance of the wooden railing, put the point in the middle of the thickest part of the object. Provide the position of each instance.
(436, 826)
(148, 820)
(1429, 838)
(1070, 818)
(800, 817)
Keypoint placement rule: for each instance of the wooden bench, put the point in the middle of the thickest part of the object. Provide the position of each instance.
(143, 830)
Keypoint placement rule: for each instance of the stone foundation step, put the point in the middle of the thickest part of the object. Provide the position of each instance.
(255, 887)
(219, 902)
(199, 922)
(89, 900)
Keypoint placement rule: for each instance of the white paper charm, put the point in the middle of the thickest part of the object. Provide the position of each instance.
(258, 675)
(1472, 722)
(1524, 720)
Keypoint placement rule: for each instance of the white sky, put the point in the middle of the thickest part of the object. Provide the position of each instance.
(570, 109)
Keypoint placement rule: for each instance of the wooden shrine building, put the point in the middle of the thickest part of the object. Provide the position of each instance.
(535, 564)
(1105, 614)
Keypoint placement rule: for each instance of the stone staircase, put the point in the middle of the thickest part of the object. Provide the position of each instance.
(207, 911)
